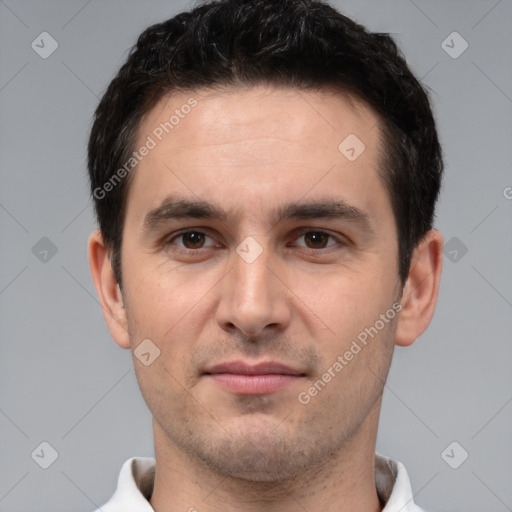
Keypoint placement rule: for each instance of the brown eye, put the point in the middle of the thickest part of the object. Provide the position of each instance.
(316, 239)
(192, 239)
(189, 240)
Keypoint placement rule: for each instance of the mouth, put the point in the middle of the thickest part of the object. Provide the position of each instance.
(242, 378)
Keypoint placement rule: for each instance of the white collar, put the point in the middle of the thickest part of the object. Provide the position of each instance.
(135, 485)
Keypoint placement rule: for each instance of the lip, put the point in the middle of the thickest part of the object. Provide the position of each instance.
(263, 378)
(263, 368)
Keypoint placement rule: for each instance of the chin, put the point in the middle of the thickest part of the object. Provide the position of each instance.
(259, 450)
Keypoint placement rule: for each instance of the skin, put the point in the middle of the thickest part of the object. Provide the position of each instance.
(302, 302)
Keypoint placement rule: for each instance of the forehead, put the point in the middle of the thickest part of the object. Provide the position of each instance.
(263, 144)
(315, 118)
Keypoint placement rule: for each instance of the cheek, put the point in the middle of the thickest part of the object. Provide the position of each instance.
(345, 302)
(160, 387)
(348, 310)
(161, 299)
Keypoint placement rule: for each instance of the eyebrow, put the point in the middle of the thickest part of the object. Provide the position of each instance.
(174, 208)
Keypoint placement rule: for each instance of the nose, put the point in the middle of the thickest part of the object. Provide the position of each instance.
(254, 296)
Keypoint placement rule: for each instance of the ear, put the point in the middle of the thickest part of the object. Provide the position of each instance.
(421, 289)
(108, 290)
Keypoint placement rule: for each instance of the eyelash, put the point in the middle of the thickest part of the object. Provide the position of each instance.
(304, 232)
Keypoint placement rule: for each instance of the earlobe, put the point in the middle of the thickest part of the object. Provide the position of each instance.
(108, 290)
(421, 290)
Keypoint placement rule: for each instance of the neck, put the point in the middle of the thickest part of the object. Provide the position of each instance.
(345, 482)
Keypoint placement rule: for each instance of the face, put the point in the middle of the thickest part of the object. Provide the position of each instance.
(257, 253)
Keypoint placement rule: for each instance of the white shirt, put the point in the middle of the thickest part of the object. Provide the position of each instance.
(135, 485)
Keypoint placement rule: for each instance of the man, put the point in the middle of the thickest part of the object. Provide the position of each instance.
(265, 174)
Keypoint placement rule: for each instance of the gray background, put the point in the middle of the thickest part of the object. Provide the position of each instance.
(64, 381)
